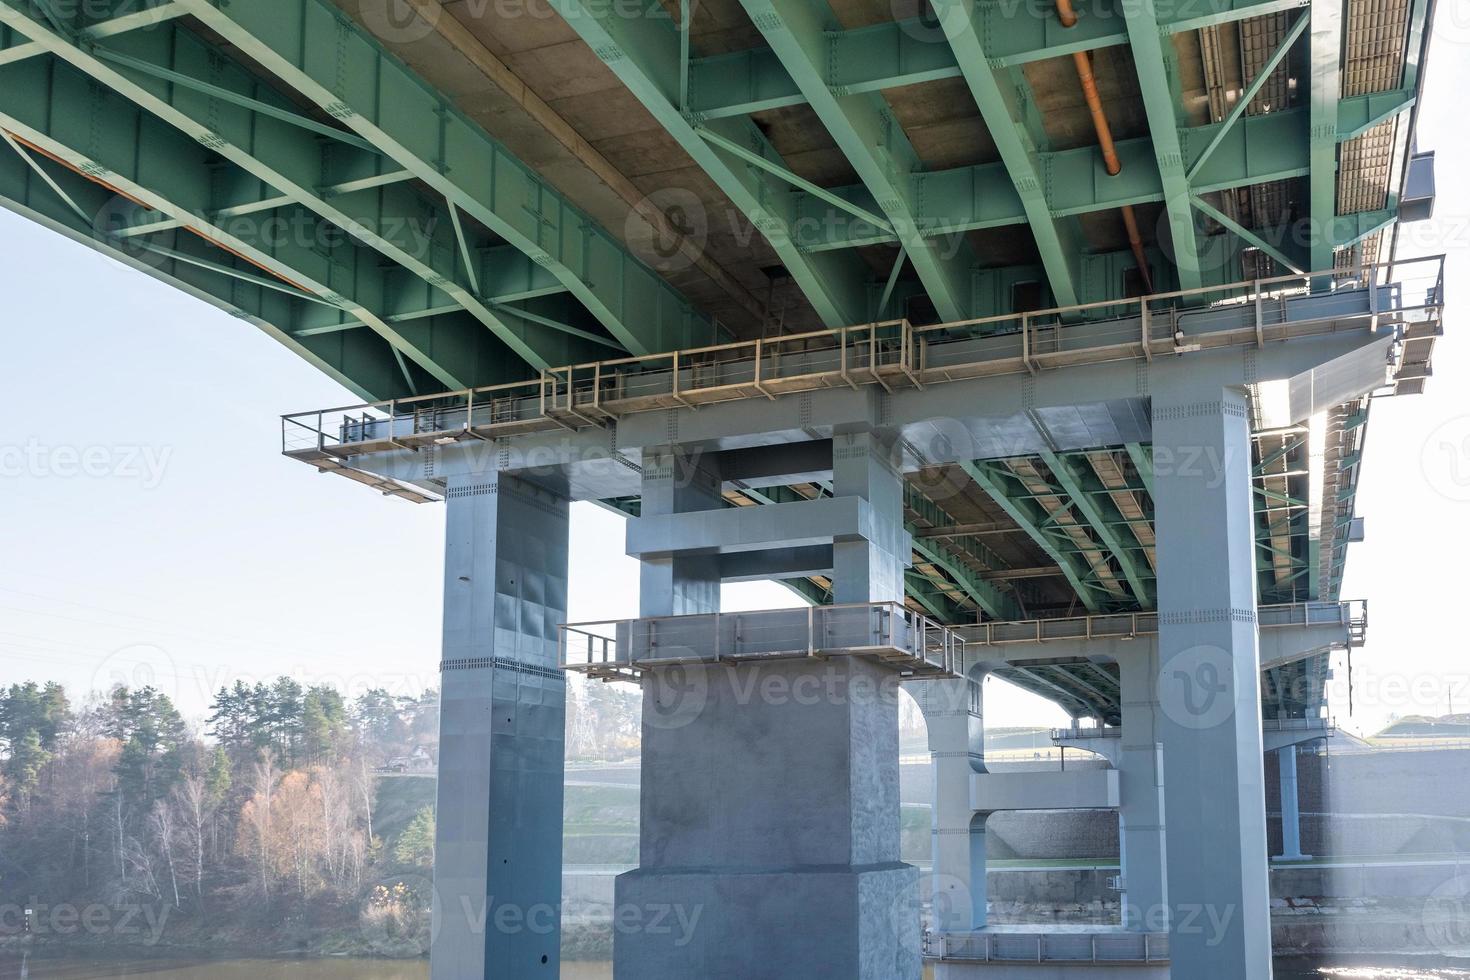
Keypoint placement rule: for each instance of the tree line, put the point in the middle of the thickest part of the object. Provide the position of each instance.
(265, 808)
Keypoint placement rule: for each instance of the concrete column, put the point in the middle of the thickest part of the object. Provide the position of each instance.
(954, 713)
(1141, 836)
(1291, 818)
(866, 465)
(1209, 686)
(679, 483)
(497, 868)
(769, 837)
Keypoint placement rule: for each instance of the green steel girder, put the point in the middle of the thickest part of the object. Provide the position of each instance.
(1071, 675)
(1355, 116)
(922, 590)
(1102, 517)
(1153, 57)
(997, 604)
(1257, 150)
(128, 15)
(1242, 103)
(361, 361)
(1032, 518)
(1349, 229)
(98, 133)
(1244, 234)
(894, 54)
(317, 51)
(873, 142)
(1031, 679)
(643, 52)
(999, 103)
(276, 160)
(1324, 87)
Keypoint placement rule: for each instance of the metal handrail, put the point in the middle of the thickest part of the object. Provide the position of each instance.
(1129, 624)
(888, 353)
(588, 644)
(1113, 948)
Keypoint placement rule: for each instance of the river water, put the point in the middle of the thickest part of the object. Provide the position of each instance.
(20, 966)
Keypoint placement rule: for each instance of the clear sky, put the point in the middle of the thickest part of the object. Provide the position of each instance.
(151, 532)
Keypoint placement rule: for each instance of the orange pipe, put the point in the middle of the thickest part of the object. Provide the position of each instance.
(1083, 63)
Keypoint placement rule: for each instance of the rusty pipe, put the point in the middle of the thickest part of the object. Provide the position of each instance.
(1135, 242)
(1083, 63)
(1085, 78)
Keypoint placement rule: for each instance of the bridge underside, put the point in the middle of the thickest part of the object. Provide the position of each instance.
(1017, 247)
(421, 196)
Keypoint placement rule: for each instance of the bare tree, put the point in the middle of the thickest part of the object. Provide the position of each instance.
(162, 821)
(191, 796)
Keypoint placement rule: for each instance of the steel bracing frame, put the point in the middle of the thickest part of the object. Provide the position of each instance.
(311, 48)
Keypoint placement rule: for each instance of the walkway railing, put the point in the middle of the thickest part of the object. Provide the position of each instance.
(1078, 733)
(1298, 725)
(1049, 947)
(888, 632)
(890, 354)
(1351, 614)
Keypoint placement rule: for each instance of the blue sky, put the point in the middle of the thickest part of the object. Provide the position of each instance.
(150, 530)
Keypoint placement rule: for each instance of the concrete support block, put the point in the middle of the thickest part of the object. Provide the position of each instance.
(498, 837)
(770, 809)
(1071, 789)
(848, 923)
(1209, 688)
(678, 483)
(867, 465)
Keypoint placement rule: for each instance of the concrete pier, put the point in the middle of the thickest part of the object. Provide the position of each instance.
(1208, 686)
(497, 868)
(770, 806)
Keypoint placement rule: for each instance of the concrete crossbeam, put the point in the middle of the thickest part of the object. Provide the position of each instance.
(1076, 789)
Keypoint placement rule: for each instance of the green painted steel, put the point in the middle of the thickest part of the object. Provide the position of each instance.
(1356, 116)
(1263, 75)
(644, 54)
(873, 142)
(1103, 520)
(895, 54)
(102, 135)
(1153, 57)
(998, 101)
(275, 159)
(1349, 229)
(1033, 519)
(318, 52)
(1324, 87)
(129, 15)
(359, 360)
(1245, 234)
(1257, 150)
